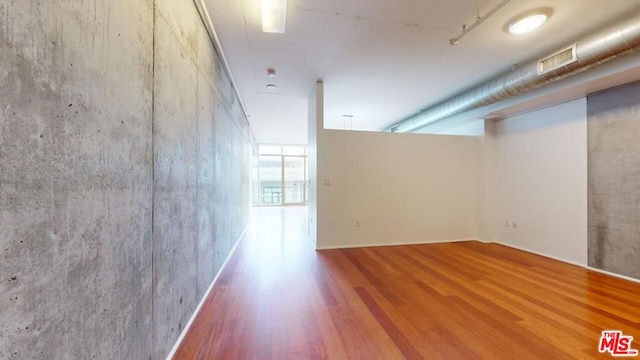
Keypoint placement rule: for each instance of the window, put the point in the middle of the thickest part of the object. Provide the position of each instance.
(271, 195)
(280, 175)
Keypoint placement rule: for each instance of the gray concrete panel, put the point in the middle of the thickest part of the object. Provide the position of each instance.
(198, 190)
(97, 259)
(175, 217)
(207, 189)
(75, 179)
(614, 180)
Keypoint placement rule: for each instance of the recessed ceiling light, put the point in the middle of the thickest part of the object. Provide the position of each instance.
(272, 87)
(529, 21)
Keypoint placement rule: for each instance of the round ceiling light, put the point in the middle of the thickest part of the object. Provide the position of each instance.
(272, 87)
(528, 22)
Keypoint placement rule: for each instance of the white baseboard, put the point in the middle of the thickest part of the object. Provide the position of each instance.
(391, 244)
(584, 266)
(540, 254)
(623, 277)
(204, 298)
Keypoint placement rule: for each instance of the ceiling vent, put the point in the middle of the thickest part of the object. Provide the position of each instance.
(558, 60)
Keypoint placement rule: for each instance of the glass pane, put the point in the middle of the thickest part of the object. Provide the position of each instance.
(293, 150)
(270, 180)
(270, 150)
(294, 180)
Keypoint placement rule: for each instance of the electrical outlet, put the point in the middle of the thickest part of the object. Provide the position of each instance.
(514, 224)
(357, 223)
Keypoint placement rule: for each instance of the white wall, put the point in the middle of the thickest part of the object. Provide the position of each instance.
(485, 186)
(466, 128)
(315, 125)
(540, 181)
(402, 188)
(530, 169)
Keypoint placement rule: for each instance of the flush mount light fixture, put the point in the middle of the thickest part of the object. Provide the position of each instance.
(271, 72)
(274, 15)
(272, 87)
(529, 21)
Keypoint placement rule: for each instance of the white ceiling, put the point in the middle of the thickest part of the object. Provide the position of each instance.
(382, 60)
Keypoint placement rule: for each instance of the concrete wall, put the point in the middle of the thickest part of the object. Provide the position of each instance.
(540, 181)
(614, 180)
(98, 260)
(75, 179)
(201, 168)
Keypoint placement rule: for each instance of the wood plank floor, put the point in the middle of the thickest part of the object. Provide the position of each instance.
(279, 299)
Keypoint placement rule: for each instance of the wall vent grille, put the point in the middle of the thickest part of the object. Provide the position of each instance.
(558, 60)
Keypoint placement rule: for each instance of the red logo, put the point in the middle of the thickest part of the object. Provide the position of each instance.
(614, 342)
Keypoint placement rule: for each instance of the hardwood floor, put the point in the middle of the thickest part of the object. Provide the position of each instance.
(279, 299)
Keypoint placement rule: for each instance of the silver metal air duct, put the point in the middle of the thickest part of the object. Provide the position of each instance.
(613, 42)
